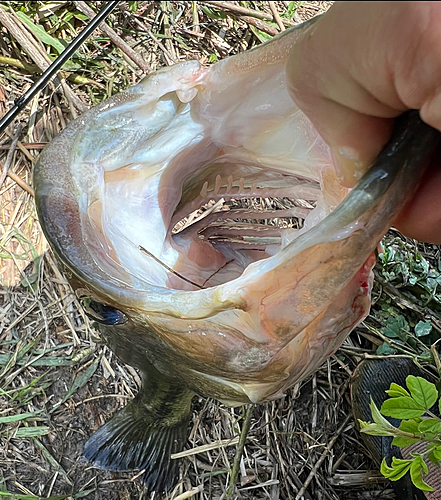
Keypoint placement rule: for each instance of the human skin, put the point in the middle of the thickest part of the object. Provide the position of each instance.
(357, 68)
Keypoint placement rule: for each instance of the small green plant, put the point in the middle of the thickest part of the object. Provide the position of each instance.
(291, 9)
(418, 424)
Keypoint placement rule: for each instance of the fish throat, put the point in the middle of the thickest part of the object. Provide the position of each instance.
(242, 219)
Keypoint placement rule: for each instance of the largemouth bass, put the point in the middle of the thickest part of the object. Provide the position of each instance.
(138, 199)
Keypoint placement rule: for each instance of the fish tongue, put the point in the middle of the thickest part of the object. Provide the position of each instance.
(146, 432)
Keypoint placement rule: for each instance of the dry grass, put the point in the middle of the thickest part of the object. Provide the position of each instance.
(58, 384)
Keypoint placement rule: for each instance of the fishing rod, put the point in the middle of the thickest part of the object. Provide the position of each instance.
(21, 101)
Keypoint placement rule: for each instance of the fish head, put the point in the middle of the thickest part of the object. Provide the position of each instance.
(199, 217)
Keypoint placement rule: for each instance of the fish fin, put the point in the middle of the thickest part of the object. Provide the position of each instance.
(145, 433)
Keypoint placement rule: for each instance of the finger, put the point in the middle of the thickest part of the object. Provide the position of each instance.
(421, 218)
(358, 67)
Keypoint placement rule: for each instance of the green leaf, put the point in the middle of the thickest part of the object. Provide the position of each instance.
(41, 33)
(396, 390)
(56, 466)
(82, 494)
(396, 327)
(402, 407)
(18, 496)
(411, 425)
(385, 350)
(379, 419)
(422, 391)
(397, 470)
(423, 328)
(403, 441)
(45, 361)
(81, 17)
(212, 14)
(430, 427)
(47, 39)
(431, 456)
(291, 9)
(436, 450)
(21, 416)
(374, 429)
(416, 473)
(28, 432)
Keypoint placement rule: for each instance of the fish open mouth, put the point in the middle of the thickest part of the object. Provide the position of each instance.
(196, 179)
(204, 229)
(200, 213)
(189, 178)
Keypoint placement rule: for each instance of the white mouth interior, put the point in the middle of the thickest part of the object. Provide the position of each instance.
(185, 195)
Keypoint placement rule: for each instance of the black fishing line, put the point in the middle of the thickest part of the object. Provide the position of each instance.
(21, 101)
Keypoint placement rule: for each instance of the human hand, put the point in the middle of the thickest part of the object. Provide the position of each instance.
(357, 68)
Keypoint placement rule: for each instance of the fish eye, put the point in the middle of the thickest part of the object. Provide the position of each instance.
(104, 314)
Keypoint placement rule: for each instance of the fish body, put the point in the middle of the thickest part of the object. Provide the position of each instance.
(199, 295)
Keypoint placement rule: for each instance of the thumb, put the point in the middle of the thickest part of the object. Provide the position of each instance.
(337, 74)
